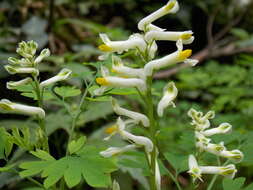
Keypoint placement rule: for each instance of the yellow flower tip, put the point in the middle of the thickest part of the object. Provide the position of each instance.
(186, 36)
(101, 81)
(169, 6)
(5, 107)
(113, 71)
(105, 48)
(185, 54)
(111, 129)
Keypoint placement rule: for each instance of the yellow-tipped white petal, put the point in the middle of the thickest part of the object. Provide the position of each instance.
(171, 7)
(173, 58)
(137, 117)
(43, 54)
(194, 169)
(118, 67)
(185, 36)
(62, 75)
(234, 155)
(152, 50)
(212, 148)
(21, 70)
(6, 106)
(133, 42)
(227, 171)
(122, 82)
(169, 94)
(112, 151)
(221, 129)
(14, 84)
(138, 140)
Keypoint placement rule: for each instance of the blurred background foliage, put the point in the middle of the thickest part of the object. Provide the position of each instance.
(222, 81)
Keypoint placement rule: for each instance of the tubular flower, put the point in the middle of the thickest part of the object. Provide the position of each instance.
(62, 75)
(169, 94)
(137, 117)
(139, 140)
(118, 67)
(115, 185)
(221, 129)
(6, 106)
(43, 54)
(14, 84)
(154, 27)
(112, 81)
(228, 171)
(171, 7)
(178, 56)
(112, 151)
(134, 41)
(196, 171)
(234, 155)
(199, 121)
(186, 36)
(21, 70)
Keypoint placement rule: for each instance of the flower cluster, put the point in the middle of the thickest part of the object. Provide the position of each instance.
(123, 75)
(28, 65)
(201, 124)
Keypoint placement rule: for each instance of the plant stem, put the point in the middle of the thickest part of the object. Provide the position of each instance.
(210, 186)
(152, 131)
(41, 122)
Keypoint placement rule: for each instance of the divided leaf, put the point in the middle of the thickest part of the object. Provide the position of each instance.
(87, 164)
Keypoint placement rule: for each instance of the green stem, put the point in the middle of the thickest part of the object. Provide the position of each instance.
(152, 131)
(41, 122)
(210, 186)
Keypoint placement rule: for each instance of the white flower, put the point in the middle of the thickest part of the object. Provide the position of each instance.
(134, 41)
(234, 155)
(14, 84)
(118, 67)
(137, 117)
(152, 50)
(139, 140)
(186, 36)
(221, 129)
(191, 62)
(178, 56)
(23, 62)
(157, 176)
(43, 54)
(171, 7)
(154, 27)
(210, 147)
(199, 121)
(169, 94)
(26, 70)
(112, 151)
(111, 81)
(62, 75)
(194, 169)
(6, 106)
(228, 171)
(115, 185)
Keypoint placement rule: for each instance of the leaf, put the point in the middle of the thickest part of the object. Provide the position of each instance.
(7, 168)
(43, 155)
(87, 164)
(240, 33)
(178, 162)
(249, 187)
(5, 143)
(76, 145)
(67, 91)
(233, 184)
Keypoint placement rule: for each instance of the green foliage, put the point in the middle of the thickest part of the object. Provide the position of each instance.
(86, 164)
(233, 184)
(5, 143)
(67, 91)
